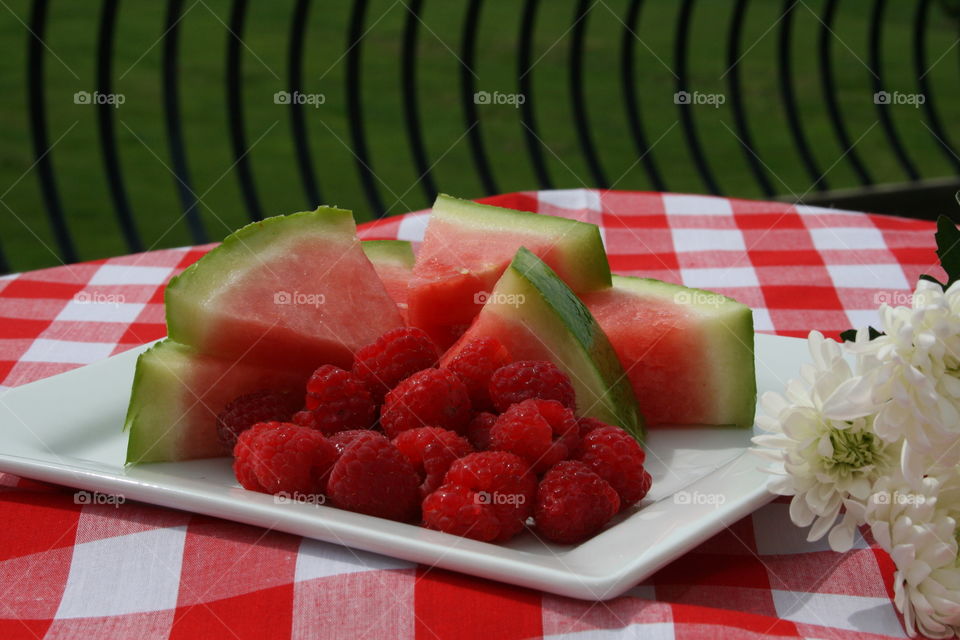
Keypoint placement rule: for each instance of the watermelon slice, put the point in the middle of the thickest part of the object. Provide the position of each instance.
(466, 248)
(688, 352)
(177, 394)
(283, 291)
(393, 261)
(537, 317)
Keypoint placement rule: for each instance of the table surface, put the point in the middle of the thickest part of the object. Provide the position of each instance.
(187, 575)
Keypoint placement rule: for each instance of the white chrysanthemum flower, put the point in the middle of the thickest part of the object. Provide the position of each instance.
(917, 525)
(911, 380)
(823, 462)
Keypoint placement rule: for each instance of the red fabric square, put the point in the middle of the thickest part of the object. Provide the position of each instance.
(264, 613)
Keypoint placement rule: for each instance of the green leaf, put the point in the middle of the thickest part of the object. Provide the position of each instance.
(948, 249)
(850, 335)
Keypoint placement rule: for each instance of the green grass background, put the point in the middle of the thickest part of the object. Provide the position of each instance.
(70, 67)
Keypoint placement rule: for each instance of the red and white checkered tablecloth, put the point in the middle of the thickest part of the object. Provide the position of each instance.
(99, 571)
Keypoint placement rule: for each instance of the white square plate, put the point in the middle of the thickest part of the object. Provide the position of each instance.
(67, 430)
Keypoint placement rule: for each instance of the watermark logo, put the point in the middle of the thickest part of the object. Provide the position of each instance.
(495, 297)
(312, 99)
(113, 99)
(284, 497)
(88, 497)
(96, 297)
(696, 497)
(512, 99)
(898, 98)
(898, 498)
(700, 298)
(893, 298)
(299, 298)
(497, 498)
(697, 98)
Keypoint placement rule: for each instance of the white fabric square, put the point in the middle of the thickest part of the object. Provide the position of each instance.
(860, 318)
(690, 205)
(93, 311)
(125, 574)
(868, 276)
(571, 198)
(44, 350)
(653, 630)
(689, 240)
(317, 559)
(848, 238)
(776, 536)
(715, 277)
(129, 274)
(762, 320)
(412, 227)
(856, 613)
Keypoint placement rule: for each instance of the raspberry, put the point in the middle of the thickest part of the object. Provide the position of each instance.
(428, 398)
(573, 503)
(526, 379)
(341, 439)
(247, 410)
(542, 432)
(456, 509)
(431, 450)
(498, 480)
(395, 355)
(304, 419)
(339, 400)
(588, 424)
(374, 478)
(478, 431)
(614, 455)
(475, 363)
(278, 457)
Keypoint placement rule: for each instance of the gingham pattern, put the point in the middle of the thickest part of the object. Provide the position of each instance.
(84, 571)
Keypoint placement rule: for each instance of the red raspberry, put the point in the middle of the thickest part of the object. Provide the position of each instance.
(478, 431)
(588, 424)
(395, 355)
(247, 410)
(456, 509)
(280, 457)
(431, 450)
(341, 439)
(305, 419)
(428, 398)
(497, 480)
(542, 432)
(525, 379)
(339, 400)
(374, 478)
(614, 455)
(573, 503)
(475, 364)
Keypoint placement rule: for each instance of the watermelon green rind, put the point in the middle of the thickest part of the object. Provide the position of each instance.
(395, 253)
(727, 330)
(576, 343)
(245, 248)
(582, 247)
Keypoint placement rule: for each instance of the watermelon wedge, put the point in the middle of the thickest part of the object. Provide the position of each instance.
(538, 317)
(467, 246)
(283, 291)
(177, 394)
(688, 352)
(393, 261)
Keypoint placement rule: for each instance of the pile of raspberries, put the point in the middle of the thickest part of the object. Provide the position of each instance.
(476, 447)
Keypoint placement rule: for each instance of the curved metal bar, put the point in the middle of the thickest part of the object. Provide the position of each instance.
(38, 131)
(580, 119)
(298, 122)
(886, 122)
(736, 98)
(468, 54)
(790, 99)
(686, 117)
(923, 84)
(829, 87)
(108, 138)
(411, 111)
(238, 138)
(355, 107)
(171, 112)
(527, 117)
(632, 104)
